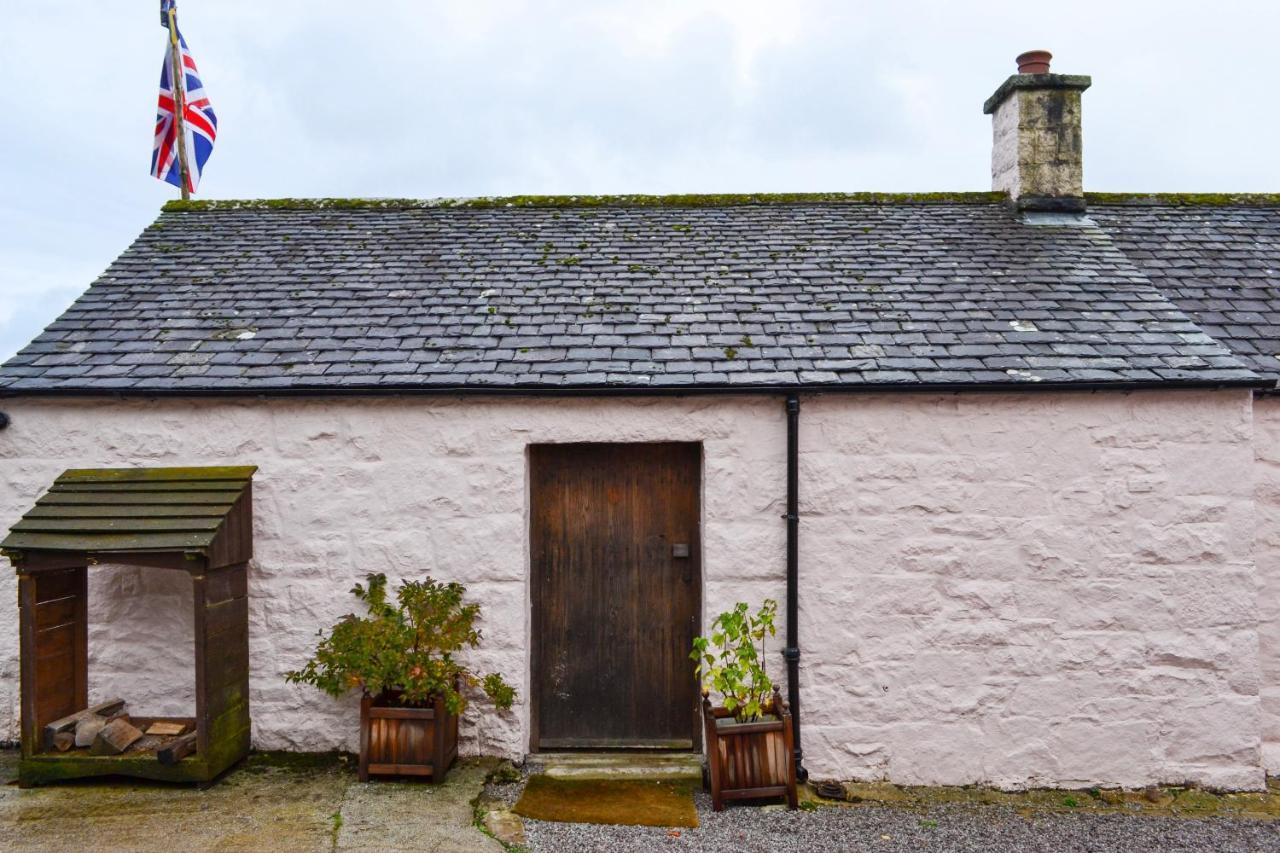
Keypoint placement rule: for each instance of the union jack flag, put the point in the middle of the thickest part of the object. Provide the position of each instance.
(200, 122)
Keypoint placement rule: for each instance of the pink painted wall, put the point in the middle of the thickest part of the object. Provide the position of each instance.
(1022, 590)
(1266, 446)
(1042, 590)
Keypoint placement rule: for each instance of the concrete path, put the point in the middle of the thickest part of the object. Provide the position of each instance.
(269, 803)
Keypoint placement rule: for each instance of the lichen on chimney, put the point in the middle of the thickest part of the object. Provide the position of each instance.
(1037, 154)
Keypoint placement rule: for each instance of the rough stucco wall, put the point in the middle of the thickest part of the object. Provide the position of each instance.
(1045, 590)
(404, 487)
(1266, 446)
(1040, 589)
(141, 633)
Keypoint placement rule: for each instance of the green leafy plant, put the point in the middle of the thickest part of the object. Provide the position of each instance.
(404, 650)
(729, 663)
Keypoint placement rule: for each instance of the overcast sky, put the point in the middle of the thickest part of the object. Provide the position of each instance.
(424, 99)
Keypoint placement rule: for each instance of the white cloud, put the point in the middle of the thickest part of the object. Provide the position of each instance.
(413, 98)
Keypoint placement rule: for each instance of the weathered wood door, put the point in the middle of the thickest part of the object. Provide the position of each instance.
(616, 589)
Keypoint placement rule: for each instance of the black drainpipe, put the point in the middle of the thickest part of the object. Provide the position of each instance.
(792, 651)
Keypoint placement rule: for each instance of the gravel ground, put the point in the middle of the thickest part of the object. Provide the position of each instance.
(746, 829)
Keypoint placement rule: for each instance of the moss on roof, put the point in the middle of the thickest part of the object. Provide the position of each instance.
(1187, 199)
(711, 200)
(682, 200)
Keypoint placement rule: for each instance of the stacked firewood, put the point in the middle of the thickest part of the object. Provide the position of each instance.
(106, 729)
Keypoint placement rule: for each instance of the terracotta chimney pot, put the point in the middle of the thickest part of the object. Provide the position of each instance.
(1034, 62)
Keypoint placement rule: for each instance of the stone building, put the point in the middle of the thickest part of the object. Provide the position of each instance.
(1038, 479)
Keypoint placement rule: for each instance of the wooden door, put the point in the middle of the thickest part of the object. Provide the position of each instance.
(615, 588)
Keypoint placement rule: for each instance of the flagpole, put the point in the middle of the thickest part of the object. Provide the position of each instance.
(179, 75)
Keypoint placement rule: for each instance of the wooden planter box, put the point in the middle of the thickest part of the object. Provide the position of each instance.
(399, 741)
(750, 760)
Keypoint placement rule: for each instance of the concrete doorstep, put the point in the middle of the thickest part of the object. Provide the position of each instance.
(613, 765)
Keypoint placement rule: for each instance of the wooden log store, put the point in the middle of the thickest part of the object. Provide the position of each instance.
(197, 520)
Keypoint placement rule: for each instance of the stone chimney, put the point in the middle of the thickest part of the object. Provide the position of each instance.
(1036, 151)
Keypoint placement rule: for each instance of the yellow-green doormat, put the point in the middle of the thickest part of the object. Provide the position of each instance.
(629, 802)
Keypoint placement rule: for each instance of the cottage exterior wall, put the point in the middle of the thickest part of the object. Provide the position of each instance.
(1266, 445)
(1036, 590)
(1039, 589)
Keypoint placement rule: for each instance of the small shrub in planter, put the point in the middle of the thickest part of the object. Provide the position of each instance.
(748, 736)
(401, 656)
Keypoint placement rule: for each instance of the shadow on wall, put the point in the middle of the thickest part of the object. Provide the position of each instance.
(141, 639)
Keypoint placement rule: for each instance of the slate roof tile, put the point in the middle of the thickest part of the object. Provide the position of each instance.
(1217, 260)
(299, 296)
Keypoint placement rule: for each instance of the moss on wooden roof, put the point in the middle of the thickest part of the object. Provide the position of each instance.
(130, 509)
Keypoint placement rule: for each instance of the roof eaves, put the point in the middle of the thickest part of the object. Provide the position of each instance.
(1252, 381)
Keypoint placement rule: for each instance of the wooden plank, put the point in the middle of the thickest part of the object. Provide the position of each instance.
(203, 711)
(227, 617)
(175, 498)
(729, 728)
(55, 642)
(99, 526)
(41, 769)
(402, 769)
(227, 695)
(187, 723)
(27, 665)
(754, 793)
(185, 560)
(233, 720)
(108, 542)
(135, 511)
(229, 486)
(362, 770)
(58, 584)
(377, 713)
(204, 472)
(165, 729)
(231, 665)
(615, 607)
(226, 583)
(44, 562)
(176, 750)
(55, 700)
(70, 721)
(234, 540)
(59, 611)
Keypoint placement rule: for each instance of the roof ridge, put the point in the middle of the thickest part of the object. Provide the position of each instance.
(1185, 199)
(624, 200)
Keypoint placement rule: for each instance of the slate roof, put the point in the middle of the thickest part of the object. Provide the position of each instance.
(628, 294)
(1217, 258)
